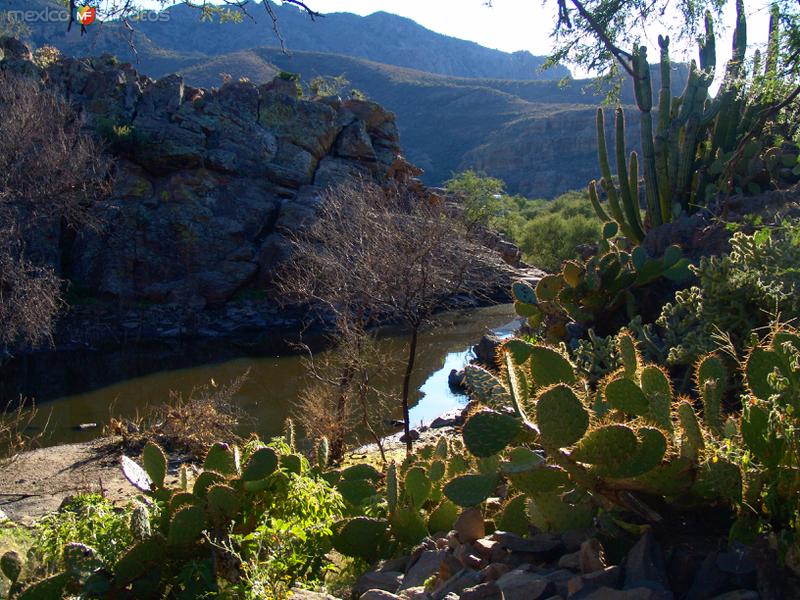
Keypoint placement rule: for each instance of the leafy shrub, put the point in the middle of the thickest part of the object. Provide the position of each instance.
(253, 523)
(737, 293)
(86, 519)
(547, 231)
(548, 240)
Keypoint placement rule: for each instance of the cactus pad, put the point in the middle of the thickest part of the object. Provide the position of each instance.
(361, 471)
(437, 470)
(355, 491)
(46, 589)
(292, 463)
(323, 452)
(521, 459)
(361, 537)
(572, 273)
(544, 479)
(711, 379)
(513, 516)
(629, 353)
(608, 447)
(220, 459)
(548, 367)
(486, 433)
(407, 526)
(623, 394)
(417, 486)
(223, 502)
(155, 463)
(485, 387)
(136, 474)
(520, 350)
(186, 526)
(551, 513)
(470, 490)
(392, 488)
(548, 287)
(11, 565)
(760, 364)
(669, 479)
(768, 449)
(139, 560)
(652, 446)
(262, 464)
(692, 441)
(658, 390)
(523, 292)
(718, 479)
(204, 481)
(561, 417)
(443, 517)
(182, 499)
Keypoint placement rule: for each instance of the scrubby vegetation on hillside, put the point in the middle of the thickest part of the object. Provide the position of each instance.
(547, 231)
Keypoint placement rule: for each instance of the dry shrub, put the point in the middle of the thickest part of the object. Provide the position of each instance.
(16, 426)
(51, 173)
(187, 424)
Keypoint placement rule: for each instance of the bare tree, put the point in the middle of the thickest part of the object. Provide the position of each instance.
(51, 172)
(377, 255)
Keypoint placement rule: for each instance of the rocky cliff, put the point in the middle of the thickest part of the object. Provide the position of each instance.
(207, 185)
(208, 181)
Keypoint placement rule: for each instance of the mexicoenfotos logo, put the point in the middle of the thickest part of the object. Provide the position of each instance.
(87, 15)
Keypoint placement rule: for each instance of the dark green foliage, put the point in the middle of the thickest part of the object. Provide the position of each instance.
(736, 293)
(278, 517)
(598, 292)
(586, 455)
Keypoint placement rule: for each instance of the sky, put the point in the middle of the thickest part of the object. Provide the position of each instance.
(511, 25)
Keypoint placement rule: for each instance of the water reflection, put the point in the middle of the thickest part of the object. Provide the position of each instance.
(271, 390)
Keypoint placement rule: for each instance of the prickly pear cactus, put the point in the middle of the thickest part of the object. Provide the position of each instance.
(584, 448)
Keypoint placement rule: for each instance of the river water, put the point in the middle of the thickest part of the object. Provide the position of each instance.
(270, 392)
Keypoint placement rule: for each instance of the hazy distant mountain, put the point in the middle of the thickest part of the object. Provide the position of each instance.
(381, 37)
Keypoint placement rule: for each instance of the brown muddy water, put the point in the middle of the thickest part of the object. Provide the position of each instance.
(270, 392)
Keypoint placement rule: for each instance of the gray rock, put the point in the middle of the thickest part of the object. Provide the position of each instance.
(457, 583)
(388, 581)
(738, 595)
(484, 591)
(570, 561)
(426, 565)
(606, 593)
(592, 556)
(415, 593)
(378, 595)
(520, 584)
(540, 547)
(645, 562)
(486, 350)
(608, 577)
(301, 594)
(470, 526)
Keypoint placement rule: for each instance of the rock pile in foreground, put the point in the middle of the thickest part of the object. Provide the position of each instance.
(470, 564)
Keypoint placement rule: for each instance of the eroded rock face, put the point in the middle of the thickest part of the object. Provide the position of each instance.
(208, 182)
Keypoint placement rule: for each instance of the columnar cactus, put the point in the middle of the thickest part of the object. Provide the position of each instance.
(686, 157)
